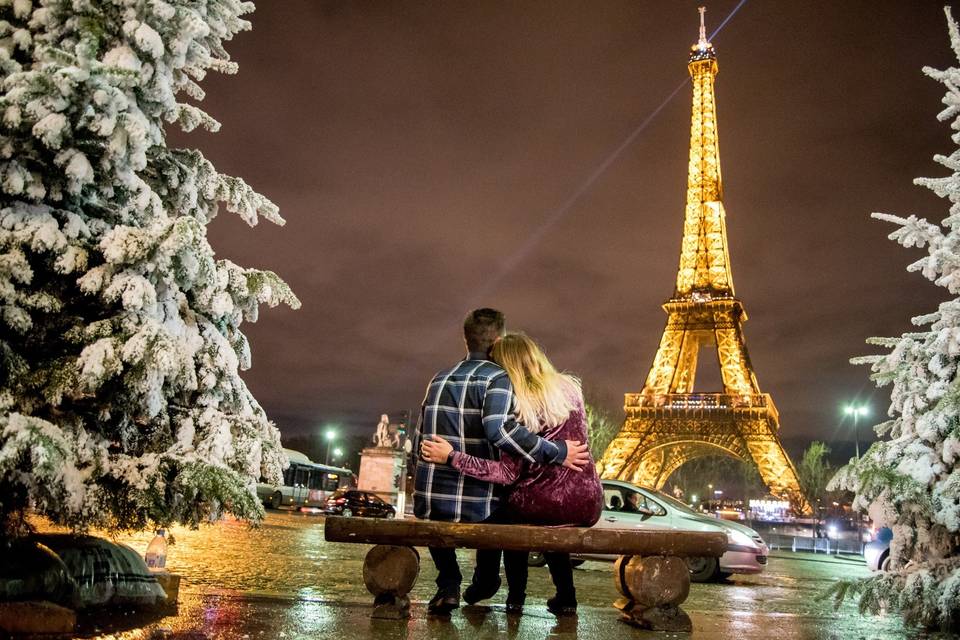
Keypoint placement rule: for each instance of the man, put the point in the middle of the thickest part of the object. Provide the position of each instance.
(472, 406)
(632, 505)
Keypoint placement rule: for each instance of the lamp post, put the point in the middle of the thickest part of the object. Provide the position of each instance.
(330, 435)
(856, 412)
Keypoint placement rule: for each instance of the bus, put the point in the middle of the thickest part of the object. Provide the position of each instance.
(305, 483)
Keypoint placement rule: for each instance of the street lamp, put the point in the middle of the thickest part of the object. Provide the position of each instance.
(856, 412)
(337, 453)
(329, 436)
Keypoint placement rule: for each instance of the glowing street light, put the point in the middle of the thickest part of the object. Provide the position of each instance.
(329, 435)
(856, 412)
(337, 453)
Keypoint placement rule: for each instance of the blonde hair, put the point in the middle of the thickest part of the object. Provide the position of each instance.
(545, 396)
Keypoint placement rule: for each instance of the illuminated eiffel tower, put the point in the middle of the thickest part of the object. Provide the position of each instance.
(668, 423)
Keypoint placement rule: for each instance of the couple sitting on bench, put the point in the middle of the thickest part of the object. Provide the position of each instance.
(502, 440)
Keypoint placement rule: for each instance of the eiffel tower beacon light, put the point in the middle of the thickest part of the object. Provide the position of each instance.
(669, 423)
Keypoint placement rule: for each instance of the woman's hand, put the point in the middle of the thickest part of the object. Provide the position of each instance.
(435, 450)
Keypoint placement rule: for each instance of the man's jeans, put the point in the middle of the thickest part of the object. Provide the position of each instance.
(486, 572)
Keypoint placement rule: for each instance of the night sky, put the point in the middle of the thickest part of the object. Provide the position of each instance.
(421, 152)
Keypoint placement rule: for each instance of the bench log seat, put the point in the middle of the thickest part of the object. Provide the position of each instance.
(651, 574)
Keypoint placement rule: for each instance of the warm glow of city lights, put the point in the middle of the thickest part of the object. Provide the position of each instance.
(669, 424)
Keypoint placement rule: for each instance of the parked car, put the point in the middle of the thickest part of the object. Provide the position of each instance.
(351, 502)
(627, 506)
(877, 553)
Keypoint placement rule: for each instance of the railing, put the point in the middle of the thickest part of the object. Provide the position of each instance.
(705, 401)
(815, 545)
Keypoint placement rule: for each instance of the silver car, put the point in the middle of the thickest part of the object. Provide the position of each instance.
(877, 552)
(627, 506)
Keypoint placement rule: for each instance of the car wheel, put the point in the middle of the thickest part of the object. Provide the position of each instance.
(536, 559)
(346, 513)
(276, 500)
(389, 514)
(885, 563)
(703, 569)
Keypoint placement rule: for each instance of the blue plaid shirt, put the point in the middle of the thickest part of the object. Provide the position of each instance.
(471, 405)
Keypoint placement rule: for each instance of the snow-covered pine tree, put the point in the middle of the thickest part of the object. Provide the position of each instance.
(121, 405)
(910, 481)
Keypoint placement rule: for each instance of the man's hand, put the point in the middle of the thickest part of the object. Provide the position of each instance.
(578, 455)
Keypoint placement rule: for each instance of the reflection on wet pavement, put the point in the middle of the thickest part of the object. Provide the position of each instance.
(282, 580)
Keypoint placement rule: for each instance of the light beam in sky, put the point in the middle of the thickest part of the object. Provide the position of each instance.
(510, 262)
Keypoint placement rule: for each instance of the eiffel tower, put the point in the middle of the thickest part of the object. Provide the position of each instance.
(668, 423)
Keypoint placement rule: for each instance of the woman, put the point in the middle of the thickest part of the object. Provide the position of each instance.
(549, 403)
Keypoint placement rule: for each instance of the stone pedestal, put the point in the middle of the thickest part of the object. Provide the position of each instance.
(652, 590)
(171, 586)
(389, 573)
(383, 471)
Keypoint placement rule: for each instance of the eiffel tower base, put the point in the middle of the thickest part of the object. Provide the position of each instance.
(652, 588)
(662, 433)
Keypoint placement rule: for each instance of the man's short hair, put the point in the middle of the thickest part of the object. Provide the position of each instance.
(481, 329)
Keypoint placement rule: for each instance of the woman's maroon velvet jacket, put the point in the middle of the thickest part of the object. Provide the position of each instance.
(544, 494)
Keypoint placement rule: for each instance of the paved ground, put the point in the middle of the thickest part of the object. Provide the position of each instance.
(283, 580)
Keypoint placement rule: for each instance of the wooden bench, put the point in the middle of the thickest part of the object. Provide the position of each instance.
(651, 574)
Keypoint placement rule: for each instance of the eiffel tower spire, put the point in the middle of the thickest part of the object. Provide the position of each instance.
(669, 423)
(704, 258)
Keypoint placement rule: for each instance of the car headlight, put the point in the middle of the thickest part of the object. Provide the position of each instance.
(740, 539)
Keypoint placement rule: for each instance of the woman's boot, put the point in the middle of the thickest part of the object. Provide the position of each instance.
(565, 602)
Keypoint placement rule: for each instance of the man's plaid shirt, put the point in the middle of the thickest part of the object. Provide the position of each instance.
(471, 405)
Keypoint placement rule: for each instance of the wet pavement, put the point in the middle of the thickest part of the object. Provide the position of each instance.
(282, 580)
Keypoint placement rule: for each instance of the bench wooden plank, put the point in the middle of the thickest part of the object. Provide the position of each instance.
(514, 537)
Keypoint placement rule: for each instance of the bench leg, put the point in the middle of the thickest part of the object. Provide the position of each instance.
(652, 588)
(389, 573)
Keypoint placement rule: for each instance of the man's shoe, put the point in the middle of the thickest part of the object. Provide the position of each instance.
(474, 593)
(559, 607)
(515, 603)
(443, 603)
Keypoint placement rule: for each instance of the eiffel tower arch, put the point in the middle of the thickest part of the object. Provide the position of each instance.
(669, 423)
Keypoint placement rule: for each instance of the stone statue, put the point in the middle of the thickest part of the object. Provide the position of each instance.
(382, 437)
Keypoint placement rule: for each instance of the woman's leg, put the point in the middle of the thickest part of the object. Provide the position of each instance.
(515, 566)
(562, 573)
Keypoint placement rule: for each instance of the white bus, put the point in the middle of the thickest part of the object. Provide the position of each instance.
(305, 483)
